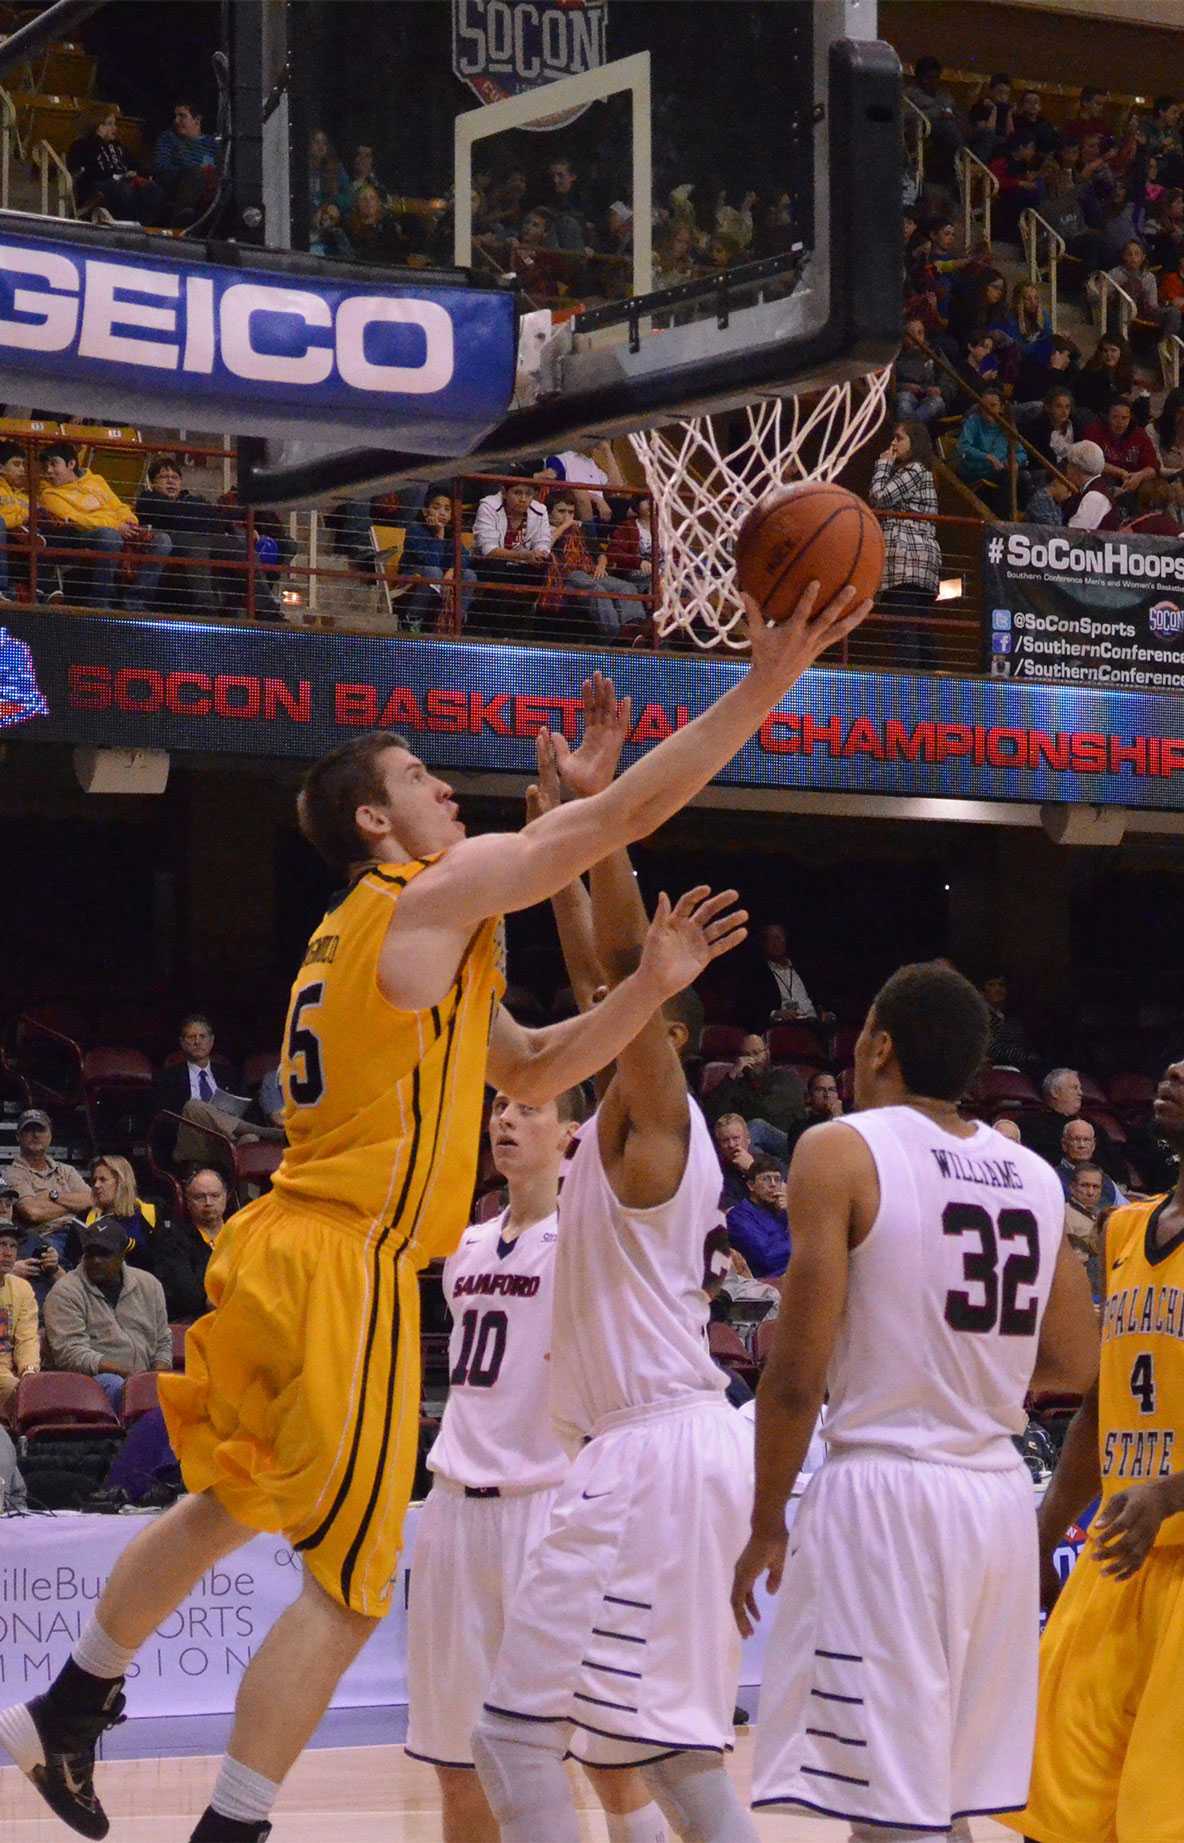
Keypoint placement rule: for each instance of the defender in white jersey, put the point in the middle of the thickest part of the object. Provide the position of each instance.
(929, 1289)
(497, 1464)
(621, 1626)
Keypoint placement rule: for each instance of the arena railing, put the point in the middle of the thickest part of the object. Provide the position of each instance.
(979, 186)
(1032, 228)
(340, 566)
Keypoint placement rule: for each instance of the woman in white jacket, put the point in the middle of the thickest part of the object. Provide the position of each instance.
(512, 542)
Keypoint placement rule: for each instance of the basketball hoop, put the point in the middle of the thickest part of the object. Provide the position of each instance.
(703, 491)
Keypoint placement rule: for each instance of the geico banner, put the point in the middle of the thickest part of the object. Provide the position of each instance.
(129, 683)
(175, 338)
(1085, 607)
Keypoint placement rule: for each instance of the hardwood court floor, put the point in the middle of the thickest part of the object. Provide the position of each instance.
(386, 1797)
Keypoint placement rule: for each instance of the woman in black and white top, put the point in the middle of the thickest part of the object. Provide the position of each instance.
(903, 482)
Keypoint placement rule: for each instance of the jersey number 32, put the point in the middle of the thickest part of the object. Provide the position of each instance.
(993, 1274)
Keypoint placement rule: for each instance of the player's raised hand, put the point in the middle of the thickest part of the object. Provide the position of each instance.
(1126, 1528)
(590, 768)
(685, 938)
(546, 793)
(782, 650)
(762, 1555)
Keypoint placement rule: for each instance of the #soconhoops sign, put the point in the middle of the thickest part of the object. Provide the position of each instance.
(127, 683)
(242, 348)
(1085, 607)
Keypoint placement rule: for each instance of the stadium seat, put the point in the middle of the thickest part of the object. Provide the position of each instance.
(846, 1038)
(253, 1167)
(140, 1396)
(56, 1404)
(178, 1336)
(490, 1205)
(1092, 1092)
(1107, 1120)
(117, 1095)
(727, 1346)
(845, 1083)
(795, 1042)
(721, 1042)
(257, 1065)
(1001, 1090)
(763, 1343)
(713, 1073)
(1131, 1097)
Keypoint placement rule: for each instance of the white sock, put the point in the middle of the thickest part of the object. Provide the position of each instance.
(99, 1655)
(644, 1826)
(243, 1794)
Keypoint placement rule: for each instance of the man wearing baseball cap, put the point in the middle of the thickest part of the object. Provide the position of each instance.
(20, 1341)
(108, 1320)
(49, 1194)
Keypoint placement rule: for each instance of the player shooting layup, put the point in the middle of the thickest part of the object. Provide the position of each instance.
(930, 1280)
(306, 1421)
(620, 1627)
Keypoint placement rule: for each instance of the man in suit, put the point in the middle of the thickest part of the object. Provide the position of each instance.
(773, 988)
(188, 1087)
(1043, 1132)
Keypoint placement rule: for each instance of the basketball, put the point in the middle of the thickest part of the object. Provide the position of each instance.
(809, 532)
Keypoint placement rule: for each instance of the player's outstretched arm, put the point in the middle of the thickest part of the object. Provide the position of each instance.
(1069, 1345)
(571, 905)
(501, 872)
(829, 1166)
(1074, 1484)
(536, 1065)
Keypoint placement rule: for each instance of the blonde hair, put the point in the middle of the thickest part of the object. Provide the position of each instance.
(126, 1200)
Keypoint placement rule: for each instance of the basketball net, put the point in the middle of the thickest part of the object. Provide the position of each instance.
(703, 491)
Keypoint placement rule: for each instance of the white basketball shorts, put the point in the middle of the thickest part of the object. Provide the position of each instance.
(470, 1555)
(622, 1624)
(900, 1673)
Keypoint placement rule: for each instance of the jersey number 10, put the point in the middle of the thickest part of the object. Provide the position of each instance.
(995, 1277)
(482, 1350)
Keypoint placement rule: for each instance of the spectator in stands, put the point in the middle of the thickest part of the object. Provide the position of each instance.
(190, 523)
(978, 371)
(184, 1248)
(1090, 119)
(1008, 1047)
(733, 1143)
(14, 507)
(1058, 369)
(903, 482)
(512, 540)
(1044, 1131)
(760, 1094)
(587, 475)
(1029, 324)
(631, 544)
(564, 204)
(927, 93)
(198, 1073)
(991, 119)
(1133, 275)
(919, 395)
(1089, 506)
(1031, 119)
(329, 235)
(572, 567)
(674, 255)
(1061, 208)
(502, 212)
(1017, 169)
(274, 550)
(984, 445)
(95, 518)
(184, 165)
(978, 307)
(1117, 225)
(365, 175)
(618, 233)
(429, 550)
(758, 1227)
(1159, 132)
(113, 1186)
(1008, 1128)
(106, 1319)
(773, 989)
(50, 1195)
(328, 183)
(1128, 453)
(20, 1331)
(1158, 505)
(106, 182)
(1055, 428)
(375, 234)
(1079, 1143)
(1084, 1209)
(823, 1102)
(1107, 374)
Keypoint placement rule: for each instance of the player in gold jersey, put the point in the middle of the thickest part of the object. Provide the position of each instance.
(1109, 1766)
(298, 1411)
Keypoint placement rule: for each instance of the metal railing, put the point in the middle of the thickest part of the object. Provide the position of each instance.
(1032, 228)
(1127, 307)
(51, 165)
(1170, 352)
(9, 133)
(917, 129)
(979, 187)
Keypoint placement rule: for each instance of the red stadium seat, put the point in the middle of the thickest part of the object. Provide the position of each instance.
(253, 1166)
(117, 1095)
(713, 1073)
(259, 1064)
(1001, 1090)
(178, 1335)
(721, 1042)
(796, 1042)
(490, 1205)
(844, 1045)
(1131, 1097)
(56, 1404)
(726, 1344)
(1092, 1092)
(139, 1396)
(1107, 1120)
(120, 1068)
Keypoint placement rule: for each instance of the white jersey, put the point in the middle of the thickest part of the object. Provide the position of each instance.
(630, 1306)
(496, 1430)
(946, 1296)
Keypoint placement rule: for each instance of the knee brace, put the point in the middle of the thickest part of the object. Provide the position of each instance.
(699, 1799)
(520, 1765)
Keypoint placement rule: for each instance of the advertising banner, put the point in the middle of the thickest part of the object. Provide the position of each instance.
(502, 47)
(191, 342)
(1084, 607)
(130, 683)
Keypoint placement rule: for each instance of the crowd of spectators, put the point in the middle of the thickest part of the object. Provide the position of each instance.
(1022, 411)
(109, 187)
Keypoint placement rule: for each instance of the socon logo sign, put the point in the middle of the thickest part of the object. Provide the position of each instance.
(502, 47)
(1167, 618)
